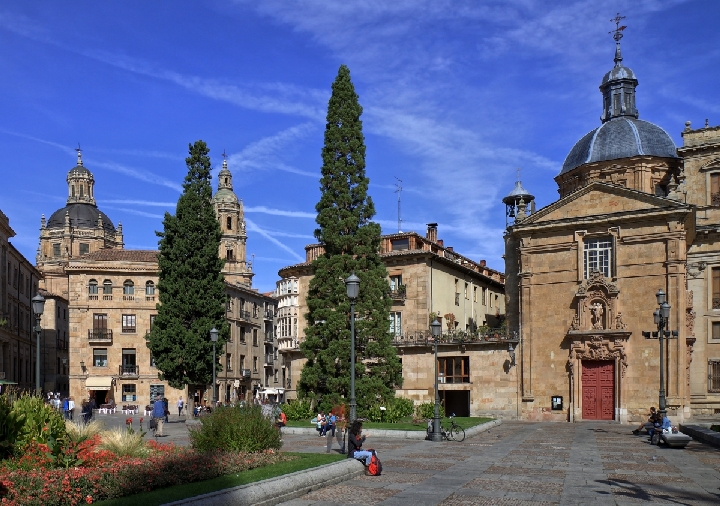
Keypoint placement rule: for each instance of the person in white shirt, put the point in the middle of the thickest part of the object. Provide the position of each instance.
(180, 405)
(71, 407)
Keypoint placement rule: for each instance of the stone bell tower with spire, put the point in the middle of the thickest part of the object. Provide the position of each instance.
(229, 212)
(77, 229)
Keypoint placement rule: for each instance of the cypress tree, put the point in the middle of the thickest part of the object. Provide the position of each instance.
(351, 242)
(191, 285)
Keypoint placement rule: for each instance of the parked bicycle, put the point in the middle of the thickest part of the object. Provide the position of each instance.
(454, 433)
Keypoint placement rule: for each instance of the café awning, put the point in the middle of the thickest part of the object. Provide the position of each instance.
(98, 382)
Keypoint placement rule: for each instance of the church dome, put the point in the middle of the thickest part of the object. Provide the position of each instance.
(81, 216)
(621, 137)
(225, 194)
(617, 73)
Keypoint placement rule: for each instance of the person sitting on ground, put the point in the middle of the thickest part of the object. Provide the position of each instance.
(355, 442)
(652, 418)
(662, 423)
(158, 415)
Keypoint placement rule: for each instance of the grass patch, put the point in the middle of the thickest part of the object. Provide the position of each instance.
(406, 424)
(169, 494)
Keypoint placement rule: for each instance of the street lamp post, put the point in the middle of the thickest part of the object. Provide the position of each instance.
(213, 338)
(436, 330)
(661, 317)
(352, 284)
(38, 305)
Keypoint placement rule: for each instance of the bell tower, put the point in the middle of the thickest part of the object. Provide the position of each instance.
(229, 212)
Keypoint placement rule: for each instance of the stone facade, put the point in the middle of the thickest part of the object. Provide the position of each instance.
(425, 278)
(55, 342)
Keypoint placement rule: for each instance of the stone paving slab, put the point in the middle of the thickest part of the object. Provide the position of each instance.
(523, 463)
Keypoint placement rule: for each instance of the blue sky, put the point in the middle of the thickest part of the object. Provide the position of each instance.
(456, 94)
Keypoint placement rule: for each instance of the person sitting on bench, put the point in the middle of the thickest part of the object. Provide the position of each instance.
(355, 442)
(652, 418)
(661, 424)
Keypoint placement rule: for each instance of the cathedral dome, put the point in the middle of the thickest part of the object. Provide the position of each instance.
(225, 194)
(620, 137)
(81, 216)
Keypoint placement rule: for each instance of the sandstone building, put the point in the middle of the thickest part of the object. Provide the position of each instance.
(635, 215)
(426, 279)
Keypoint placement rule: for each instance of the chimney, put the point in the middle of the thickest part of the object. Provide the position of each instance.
(450, 248)
(440, 242)
(483, 263)
(431, 234)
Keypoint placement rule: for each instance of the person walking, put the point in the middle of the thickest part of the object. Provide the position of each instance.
(158, 415)
(71, 407)
(180, 405)
(167, 408)
(65, 407)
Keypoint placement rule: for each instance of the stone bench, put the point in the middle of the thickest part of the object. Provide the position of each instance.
(677, 440)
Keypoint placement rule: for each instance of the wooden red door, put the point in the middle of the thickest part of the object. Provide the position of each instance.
(598, 390)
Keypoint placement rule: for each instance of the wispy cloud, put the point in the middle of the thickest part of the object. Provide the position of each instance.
(251, 226)
(140, 175)
(142, 153)
(66, 149)
(150, 203)
(137, 212)
(279, 212)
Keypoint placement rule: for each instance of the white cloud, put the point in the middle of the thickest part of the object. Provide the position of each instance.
(252, 227)
(150, 203)
(137, 212)
(279, 212)
(141, 175)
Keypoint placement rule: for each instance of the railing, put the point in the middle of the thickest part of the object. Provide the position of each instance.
(129, 371)
(100, 335)
(424, 337)
(398, 293)
(716, 302)
(107, 297)
(269, 338)
(245, 373)
(128, 297)
(269, 315)
(149, 298)
(269, 359)
(244, 315)
(92, 296)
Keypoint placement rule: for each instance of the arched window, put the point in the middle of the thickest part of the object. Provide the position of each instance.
(149, 288)
(107, 287)
(93, 287)
(128, 288)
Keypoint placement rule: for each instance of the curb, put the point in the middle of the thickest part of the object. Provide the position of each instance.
(399, 434)
(701, 434)
(280, 489)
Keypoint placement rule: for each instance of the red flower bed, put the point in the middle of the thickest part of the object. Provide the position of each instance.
(32, 480)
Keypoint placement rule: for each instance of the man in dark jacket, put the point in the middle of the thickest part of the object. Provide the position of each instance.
(158, 415)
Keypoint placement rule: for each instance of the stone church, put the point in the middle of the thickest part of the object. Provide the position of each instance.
(636, 214)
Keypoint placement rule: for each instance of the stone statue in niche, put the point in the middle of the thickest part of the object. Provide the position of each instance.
(619, 323)
(597, 316)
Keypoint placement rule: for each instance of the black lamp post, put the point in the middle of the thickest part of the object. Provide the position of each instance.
(213, 338)
(38, 305)
(436, 435)
(661, 317)
(352, 284)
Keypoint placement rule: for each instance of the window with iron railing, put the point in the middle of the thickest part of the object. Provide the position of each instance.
(714, 375)
(715, 287)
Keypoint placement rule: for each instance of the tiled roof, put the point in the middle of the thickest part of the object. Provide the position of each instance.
(123, 255)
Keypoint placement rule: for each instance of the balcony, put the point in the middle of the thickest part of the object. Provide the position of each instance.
(128, 297)
(245, 373)
(483, 336)
(269, 338)
(398, 293)
(269, 315)
(244, 315)
(100, 335)
(129, 371)
(269, 360)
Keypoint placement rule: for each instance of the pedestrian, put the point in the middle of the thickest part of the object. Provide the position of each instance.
(321, 423)
(158, 415)
(167, 410)
(65, 407)
(85, 411)
(663, 423)
(281, 420)
(180, 405)
(332, 419)
(71, 407)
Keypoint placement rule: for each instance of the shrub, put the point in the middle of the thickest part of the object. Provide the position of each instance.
(425, 410)
(238, 428)
(123, 443)
(298, 410)
(395, 410)
(28, 420)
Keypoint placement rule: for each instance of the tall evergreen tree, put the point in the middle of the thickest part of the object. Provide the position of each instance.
(351, 242)
(191, 286)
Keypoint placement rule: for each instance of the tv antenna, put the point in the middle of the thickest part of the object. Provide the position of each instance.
(398, 190)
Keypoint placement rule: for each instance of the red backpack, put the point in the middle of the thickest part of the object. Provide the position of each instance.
(375, 467)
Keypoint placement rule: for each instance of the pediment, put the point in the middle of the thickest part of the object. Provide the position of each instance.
(599, 199)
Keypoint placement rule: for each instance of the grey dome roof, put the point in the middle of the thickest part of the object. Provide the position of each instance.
(618, 72)
(81, 216)
(225, 194)
(518, 192)
(78, 170)
(621, 137)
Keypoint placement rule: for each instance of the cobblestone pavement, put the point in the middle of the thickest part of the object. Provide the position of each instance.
(521, 463)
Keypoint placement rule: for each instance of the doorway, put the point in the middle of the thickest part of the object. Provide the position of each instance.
(598, 390)
(455, 401)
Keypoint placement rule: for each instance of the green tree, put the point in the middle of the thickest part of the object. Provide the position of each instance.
(191, 285)
(351, 242)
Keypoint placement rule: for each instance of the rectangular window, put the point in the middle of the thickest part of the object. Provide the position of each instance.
(395, 282)
(255, 337)
(715, 189)
(228, 362)
(128, 323)
(454, 370)
(474, 293)
(255, 364)
(152, 320)
(129, 393)
(467, 291)
(713, 375)
(84, 248)
(100, 330)
(129, 365)
(100, 357)
(716, 287)
(156, 390)
(716, 330)
(598, 256)
(484, 296)
(276, 375)
(242, 361)
(56, 250)
(229, 255)
(152, 361)
(396, 323)
(242, 333)
(400, 244)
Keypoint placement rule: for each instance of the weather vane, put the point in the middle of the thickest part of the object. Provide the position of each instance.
(618, 29)
(78, 148)
(224, 155)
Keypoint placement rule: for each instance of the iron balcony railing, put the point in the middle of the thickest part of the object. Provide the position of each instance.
(269, 359)
(425, 338)
(398, 293)
(244, 315)
(100, 335)
(129, 371)
(246, 373)
(269, 337)
(269, 315)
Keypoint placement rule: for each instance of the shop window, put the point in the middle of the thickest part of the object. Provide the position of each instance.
(454, 370)
(129, 393)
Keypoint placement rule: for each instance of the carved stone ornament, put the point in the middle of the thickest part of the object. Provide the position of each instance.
(575, 325)
(690, 322)
(619, 323)
(597, 347)
(597, 305)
